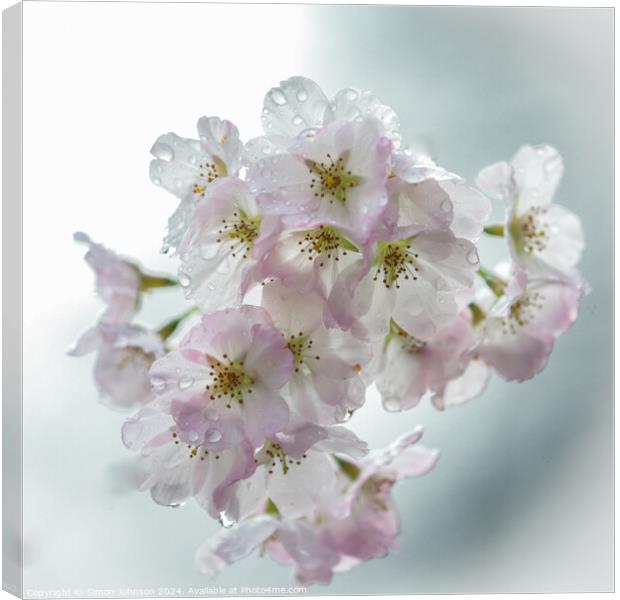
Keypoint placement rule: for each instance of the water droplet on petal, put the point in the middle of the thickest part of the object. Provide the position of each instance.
(472, 257)
(277, 97)
(208, 251)
(211, 414)
(162, 151)
(446, 205)
(186, 382)
(193, 436)
(211, 286)
(213, 435)
(156, 180)
(351, 94)
(297, 120)
(159, 384)
(392, 404)
(302, 95)
(184, 280)
(225, 521)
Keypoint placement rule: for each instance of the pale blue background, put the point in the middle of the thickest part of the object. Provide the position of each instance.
(522, 498)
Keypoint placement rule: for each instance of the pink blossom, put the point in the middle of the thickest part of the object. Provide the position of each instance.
(521, 328)
(177, 469)
(326, 541)
(298, 106)
(410, 367)
(326, 383)
(544, 238)
(224, 379)
(413, 276)
(335, 176)
(117, 281)
(187, 167)
(221, 245)
(125, 355)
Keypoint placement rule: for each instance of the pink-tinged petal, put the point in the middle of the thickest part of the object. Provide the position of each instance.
(313, 559)
(425, 204)
(418, 168)
(560, 250)
(350, 104)
(117, 281)
(177, 162)
(178, 223)
(414, 461)
(263, 146)
(382, 460)
(264, 414)
(227, 331)
(220, 138)
(174, 376)
(142, 427)
(515, 356)
(352, 297)
(471, 210)
(537, 173)
(297, 440)
(126, 353)
(216, 490)
(497, 182)
(89, 341)
(402, 382)
(251, 496)
(297, 104)
(268, 358)
(342, 441)
(302, 487)
(291, 197)
(231, 545)
(292, 311)
(555, 308)
(467, 386)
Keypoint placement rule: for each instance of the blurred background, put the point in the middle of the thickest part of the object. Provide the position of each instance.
(521, 500)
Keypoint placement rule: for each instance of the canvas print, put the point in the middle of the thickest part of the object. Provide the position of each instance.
(349, 331)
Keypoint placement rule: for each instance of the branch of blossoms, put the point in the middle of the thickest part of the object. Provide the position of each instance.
(319, 260)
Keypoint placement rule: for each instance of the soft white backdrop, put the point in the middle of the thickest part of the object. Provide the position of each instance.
(522, 497)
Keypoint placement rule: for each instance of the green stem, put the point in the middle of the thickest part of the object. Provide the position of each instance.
(170, 327)
(349, 469)
(150, 282)
(495, 283)
(478, 314)
(497, 229)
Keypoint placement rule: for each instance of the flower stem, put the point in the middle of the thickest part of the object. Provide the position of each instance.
(349, 469)
(497, 230)
(170, 327)
(150, 282)
(495, 283)
(478, 315)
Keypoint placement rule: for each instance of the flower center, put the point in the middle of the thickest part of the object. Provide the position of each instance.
(208, 172)
(272, 455)
(137, 357)
(301, 346)
(522, 312)
(529, 231)
(331, 178)
(228, 381)
(395, 261)
(324, 243)
(409, 343)
(242, 230)
(195, 451)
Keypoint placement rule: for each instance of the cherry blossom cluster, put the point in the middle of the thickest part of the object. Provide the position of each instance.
(320, 259)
